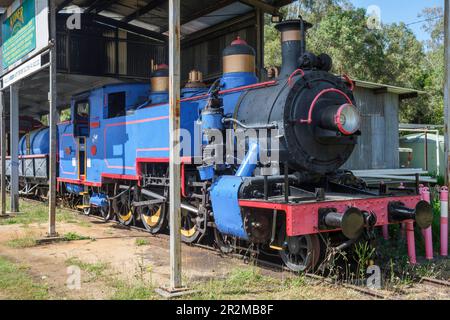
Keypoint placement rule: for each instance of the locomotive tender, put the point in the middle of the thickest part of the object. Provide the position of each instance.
(114, 154)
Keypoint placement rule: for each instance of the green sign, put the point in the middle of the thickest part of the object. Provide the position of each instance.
(19, 33)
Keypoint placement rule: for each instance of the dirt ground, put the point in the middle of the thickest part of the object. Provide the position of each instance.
(110, 245)
(114, 259)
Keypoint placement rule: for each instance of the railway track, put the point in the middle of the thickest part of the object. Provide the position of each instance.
(268, 265)
(435, 282)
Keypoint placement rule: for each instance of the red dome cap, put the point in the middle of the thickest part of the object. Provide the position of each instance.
(162, 66)
(238, 41)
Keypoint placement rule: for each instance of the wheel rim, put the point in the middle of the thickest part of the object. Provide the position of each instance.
(301, 253)
(86, 210)
(153, 218)
(123, 211)
(189, 230)
(106, 213)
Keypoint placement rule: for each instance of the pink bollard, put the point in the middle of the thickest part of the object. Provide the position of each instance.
(444, 221)
(411, 242)
(385, 229)
(403, 225)
(427, 233)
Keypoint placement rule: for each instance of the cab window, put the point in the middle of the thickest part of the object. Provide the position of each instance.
(82, 110)
(116, 105)
(81, 121)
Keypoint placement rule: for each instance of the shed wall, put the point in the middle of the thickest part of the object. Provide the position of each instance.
(379, 141)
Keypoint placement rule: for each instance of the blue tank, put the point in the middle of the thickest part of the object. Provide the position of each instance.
(35, 142)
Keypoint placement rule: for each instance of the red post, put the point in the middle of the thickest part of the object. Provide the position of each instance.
(444, 221)
(385, 232)
(427, 233)
(403, 225)
(410, 241)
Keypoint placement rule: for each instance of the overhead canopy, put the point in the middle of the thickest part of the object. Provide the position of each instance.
(144, 17)
(152, 15)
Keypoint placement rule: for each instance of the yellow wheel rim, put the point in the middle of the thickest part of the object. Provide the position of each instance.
(127, 216)
(153, 219)
(188, 233)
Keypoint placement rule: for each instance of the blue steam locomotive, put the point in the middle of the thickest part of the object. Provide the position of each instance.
(284, 192)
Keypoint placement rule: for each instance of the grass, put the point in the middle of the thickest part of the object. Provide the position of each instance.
(134, 290)
(94, 269)
(73, 236)
(249, 282)
(36, 213)
(392, 254)
(29, 240)
(22, 242)
(142, 242)
(16, 283)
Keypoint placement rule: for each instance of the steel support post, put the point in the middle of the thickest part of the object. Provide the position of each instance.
(52, 118)
(2, 155)
(174, 128)
(14, 147)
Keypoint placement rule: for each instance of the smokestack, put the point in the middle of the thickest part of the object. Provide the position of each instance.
(293, 45)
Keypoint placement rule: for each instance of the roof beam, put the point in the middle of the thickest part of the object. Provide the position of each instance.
(129, 27)
(203, 13)
(64, 4)
(100, 5)
(265, 7)
(220, 29)
(143, 10)
(282, 3)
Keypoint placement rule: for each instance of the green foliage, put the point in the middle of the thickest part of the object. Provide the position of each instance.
(364, 254)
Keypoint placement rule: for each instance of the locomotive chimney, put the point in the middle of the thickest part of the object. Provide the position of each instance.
(293, 45)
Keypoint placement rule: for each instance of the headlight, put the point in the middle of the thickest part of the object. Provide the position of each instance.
(347, 119)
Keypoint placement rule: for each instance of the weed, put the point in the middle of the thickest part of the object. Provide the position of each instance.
(73, 236)
(364, 253)
(94, 269)
(142, 242)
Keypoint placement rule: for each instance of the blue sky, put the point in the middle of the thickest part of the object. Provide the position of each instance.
(401, 10)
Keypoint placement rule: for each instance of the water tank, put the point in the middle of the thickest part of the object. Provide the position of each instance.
(35, 142)
(418, 143)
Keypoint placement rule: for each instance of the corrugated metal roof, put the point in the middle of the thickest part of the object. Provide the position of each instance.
(388, 88)
(196, 15)
(229, 12)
